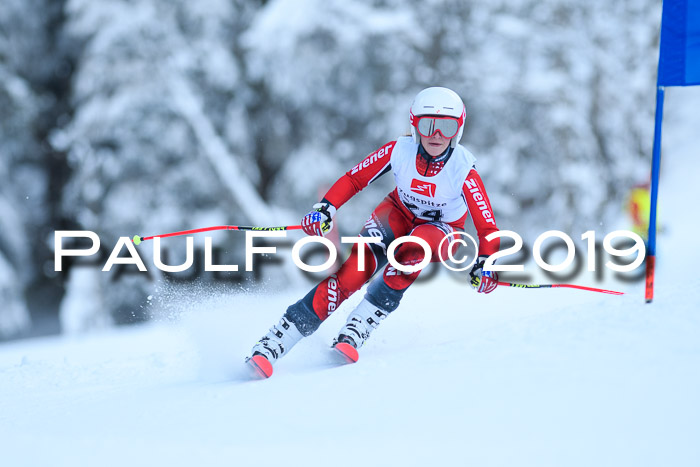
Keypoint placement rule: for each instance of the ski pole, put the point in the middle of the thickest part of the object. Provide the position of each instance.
(138, 239)
(570, 286)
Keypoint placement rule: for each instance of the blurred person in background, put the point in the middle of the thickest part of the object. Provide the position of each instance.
(638, 207)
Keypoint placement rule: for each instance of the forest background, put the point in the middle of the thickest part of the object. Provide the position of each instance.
(124, 117)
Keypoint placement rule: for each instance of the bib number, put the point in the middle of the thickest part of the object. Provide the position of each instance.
(434, 215)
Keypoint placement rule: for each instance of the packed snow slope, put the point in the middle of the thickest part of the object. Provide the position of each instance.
(549, 377)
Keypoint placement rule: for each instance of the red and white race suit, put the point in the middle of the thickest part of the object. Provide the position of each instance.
(432, 198)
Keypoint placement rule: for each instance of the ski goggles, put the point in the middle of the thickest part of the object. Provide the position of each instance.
(429, 125)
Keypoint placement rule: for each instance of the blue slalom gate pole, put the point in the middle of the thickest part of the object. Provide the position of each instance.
(655, 168)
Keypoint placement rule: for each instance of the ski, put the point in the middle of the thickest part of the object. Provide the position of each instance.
(262, 368)
(347, 351)
(261, 365)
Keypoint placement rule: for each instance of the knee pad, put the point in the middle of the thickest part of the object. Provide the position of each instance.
(382, 296)
(303, 316)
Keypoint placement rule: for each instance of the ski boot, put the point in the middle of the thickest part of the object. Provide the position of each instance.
(272, 346)
(361, 322)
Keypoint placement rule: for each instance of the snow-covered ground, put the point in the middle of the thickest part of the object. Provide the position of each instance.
(548, 377)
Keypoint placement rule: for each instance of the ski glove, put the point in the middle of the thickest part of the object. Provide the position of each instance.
(483, 281)
(320, 220)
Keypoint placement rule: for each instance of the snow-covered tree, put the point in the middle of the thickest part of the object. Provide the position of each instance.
(146, 143)
(23, 180)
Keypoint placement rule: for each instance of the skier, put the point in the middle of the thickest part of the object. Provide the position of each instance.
(437, 187)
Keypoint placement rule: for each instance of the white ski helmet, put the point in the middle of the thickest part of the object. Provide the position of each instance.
(438, 101)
